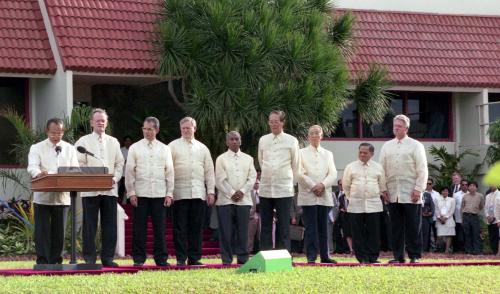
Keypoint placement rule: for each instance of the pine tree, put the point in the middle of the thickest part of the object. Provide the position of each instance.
(240, 59)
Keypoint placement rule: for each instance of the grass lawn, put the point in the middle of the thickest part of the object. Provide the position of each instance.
(459, 279)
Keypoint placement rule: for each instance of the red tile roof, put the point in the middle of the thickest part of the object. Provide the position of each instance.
(429, 49)
(105, 36)
(114, 36)
(25, 47)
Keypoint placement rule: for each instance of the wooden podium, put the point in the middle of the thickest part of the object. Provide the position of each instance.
(73, 183)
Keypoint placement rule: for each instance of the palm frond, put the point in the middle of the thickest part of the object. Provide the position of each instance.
(324, 6)
(79, 123)
(26, 216)
(494, 131)
(340, 33)
(448, 163)
(371, 97)
(16, 177)
(241, 59)
(24, 134)
(493, 152)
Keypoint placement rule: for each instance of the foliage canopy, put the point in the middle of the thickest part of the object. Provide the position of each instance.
(241, 59)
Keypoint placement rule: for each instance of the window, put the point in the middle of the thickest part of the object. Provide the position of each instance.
(429, 113)
(384, 130)
(348, 127)
(494, 109)
(13, 93)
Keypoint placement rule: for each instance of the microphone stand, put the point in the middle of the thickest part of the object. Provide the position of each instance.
(58, 152)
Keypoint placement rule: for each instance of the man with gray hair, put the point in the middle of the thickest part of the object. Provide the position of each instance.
(149, 179)
(194, 189)
(405, 165)
(316, 177)
(235, 176)
(100, 204)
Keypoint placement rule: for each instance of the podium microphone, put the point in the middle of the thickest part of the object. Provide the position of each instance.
(84, 150)
(58, 151)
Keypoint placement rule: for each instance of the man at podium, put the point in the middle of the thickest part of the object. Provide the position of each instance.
(50, 207)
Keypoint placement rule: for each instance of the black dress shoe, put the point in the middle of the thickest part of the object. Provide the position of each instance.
(138, 263)
(311, 261)
(396, 261)
(110, 264)
(162, 263)
(181, 263)
(195, 263)
(328, 260)
(414, 260)
(241, 262)
(375, 261)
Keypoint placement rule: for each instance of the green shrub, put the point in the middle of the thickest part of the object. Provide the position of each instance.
(448, 163)
(13, 241)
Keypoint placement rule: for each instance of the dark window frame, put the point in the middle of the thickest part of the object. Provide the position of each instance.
(404, 96)
(493, 97)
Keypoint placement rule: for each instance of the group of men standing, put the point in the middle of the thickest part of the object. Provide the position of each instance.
(181, 175)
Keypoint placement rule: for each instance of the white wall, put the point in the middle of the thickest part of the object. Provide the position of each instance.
(478, 7)
(467, 115)
(467, 127)
(51, 97)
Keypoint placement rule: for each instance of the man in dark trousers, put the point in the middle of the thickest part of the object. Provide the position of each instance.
(405, 164)
(194, 190)
(149, 179)
(472, 205)
(235, 177)
(100, 204)
(427, 215)
(491, 221)
(340, 242)
(364, 182)
(279, 161)
(50, 207)
(344, 223)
